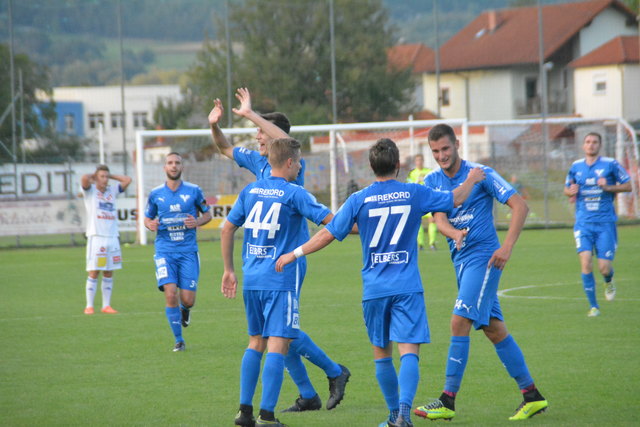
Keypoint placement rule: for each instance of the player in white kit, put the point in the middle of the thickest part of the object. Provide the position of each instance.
(103, 245)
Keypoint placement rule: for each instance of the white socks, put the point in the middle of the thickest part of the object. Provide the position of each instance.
(91, 290)
(107, 285)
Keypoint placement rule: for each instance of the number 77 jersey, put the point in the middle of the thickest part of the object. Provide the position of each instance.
(388, 214)
(274, 214)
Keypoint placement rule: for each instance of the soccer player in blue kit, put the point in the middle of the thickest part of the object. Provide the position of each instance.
(271, 126)
(274, 214)
(478, 264)
(593, 182)
(172, 211)
(388, 214)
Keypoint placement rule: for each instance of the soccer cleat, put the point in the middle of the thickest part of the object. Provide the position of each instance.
(108, 310)
(302, 404)
(245, 417)
(185, 316)
(435, 411)
(609, 291)
(400, 422)
(336, 388)
(529, 409)
(594, 312)
(88, 310)
(180, 346)
(274, 423)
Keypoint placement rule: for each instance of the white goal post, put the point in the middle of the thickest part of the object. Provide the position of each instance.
(510, 146)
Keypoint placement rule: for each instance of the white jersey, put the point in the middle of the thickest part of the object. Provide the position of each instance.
(102, 216)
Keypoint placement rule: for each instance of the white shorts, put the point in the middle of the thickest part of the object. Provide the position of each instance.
(103, 253)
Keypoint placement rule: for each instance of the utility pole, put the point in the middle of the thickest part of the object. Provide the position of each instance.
(543, 112)
(228, 37)
(122, 112)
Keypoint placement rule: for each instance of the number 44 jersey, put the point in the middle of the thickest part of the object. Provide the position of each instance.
(274, 213)
(388, 214)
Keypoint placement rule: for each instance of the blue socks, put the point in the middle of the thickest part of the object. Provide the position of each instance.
(589, 284)
(295, 367)
(305, 347)
(408, 380)
(272, 377)
(173, 316)
(456, 363)
(607, 279)
(511, 356)
(249, 373)
(388, 381)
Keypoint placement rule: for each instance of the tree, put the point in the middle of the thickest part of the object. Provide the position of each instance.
(34, 79)
(282, 53)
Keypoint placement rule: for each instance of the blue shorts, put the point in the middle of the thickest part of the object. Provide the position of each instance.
(478, 291)
(181, 268)
(601, 237)
(400, 318)
(272, 313)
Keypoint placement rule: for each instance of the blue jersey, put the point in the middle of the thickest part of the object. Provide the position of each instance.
(388, 214)
(274, 213)
(171, 208)
(259, 166)
(593, 204)
(476, 213)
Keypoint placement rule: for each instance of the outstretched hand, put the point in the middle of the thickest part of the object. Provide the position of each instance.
(243, 95)
(216, 113)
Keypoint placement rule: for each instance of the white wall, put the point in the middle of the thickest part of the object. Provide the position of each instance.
(107, 100)
(591, 104)
(631, 92)
(608, 24)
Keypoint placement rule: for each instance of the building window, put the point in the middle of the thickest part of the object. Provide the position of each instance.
(531, 87)
(599, 84)
(444, 97)
(117, 120)
(140, 119)
(94, 119)
(69, 123)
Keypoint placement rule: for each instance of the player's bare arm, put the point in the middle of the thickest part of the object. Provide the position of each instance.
(321, 239)
(616, 188)
(86, 180)
(245, 110)
(519, 211)
(229, 282)
(461, 193)
(192, 222)
(226, 149)
(448, 230)
(124, 180)
(151, 224)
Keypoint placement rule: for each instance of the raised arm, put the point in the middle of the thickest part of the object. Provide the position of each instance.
(461, 193)
(124, 180)
(218, 137)
(519, 211)
(245, 110)
(86, 180)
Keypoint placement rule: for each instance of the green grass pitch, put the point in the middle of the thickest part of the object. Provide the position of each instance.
(60, 367)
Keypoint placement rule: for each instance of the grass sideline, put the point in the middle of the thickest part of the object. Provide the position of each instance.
(60, 367)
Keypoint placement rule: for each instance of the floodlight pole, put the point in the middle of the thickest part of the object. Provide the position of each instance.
(13, 99)
(334, 109)
(124, 117)
(228, 37)
(437, 51)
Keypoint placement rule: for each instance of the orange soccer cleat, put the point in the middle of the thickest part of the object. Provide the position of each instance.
(109, 310)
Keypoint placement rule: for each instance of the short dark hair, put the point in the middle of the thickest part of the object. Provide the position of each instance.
(102, 168)
(281, 149)
(596, 134)
(440, 130)
(278, 119)
(384, 157)
(174, 153)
